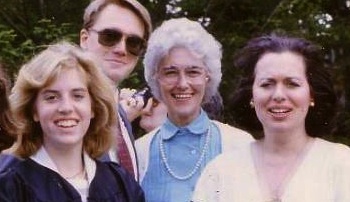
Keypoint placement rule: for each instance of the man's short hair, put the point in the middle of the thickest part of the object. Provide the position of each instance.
(96, 6)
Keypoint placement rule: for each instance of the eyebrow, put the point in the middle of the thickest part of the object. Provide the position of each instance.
(169, 67)
(272, 79)
(56, 91)
(185, 67)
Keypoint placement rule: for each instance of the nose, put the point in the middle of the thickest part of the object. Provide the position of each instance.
(120, 47)
(279, 94)
(65, 106)
(182, 80)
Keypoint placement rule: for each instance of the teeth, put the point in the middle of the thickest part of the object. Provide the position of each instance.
(67, 123)
(182, 96)
(279, 110)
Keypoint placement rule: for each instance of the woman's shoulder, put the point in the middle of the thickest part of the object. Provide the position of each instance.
(338, 153)
(233, 138)
(20, 178)
(28, 171)
(16, 166)
(227, 129)
(337, 148)
(8, 161)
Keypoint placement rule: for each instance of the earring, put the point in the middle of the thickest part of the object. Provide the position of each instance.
(251, 103)
(312, 103)
(35, 118)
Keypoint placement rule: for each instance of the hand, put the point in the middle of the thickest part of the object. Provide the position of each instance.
(132, 105)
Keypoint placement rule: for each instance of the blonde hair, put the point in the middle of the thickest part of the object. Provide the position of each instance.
(42, 70)
(96, 6)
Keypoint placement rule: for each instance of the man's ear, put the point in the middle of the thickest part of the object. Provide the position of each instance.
(84, 35)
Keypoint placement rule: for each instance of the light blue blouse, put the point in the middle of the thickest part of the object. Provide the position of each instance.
(183, 147)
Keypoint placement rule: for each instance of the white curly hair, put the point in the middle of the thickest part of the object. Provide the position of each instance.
(182, 32)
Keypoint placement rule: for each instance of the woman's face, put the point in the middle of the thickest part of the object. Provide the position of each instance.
(281, 92)
(183, 78)
(64, 110)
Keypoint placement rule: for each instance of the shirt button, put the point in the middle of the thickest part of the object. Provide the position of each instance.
(193, 152)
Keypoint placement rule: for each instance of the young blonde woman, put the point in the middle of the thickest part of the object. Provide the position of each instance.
(65, 108)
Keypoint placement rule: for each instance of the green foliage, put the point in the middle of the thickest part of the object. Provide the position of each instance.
(7, 51)
(28, 25)
(15, 52)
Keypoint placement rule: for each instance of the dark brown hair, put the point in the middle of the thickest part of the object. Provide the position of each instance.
(8, 130)
(320, 117)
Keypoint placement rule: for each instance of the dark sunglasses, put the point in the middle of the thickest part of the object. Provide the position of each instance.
(110, 37)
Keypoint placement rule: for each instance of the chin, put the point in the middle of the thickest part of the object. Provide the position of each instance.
(281, 128)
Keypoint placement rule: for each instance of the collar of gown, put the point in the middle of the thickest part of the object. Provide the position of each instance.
(43, 158)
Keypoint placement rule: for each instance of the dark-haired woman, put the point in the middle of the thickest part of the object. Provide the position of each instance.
(286, 94)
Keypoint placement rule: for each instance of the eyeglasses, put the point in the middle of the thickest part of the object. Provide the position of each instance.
(171, 74)
(110, 37)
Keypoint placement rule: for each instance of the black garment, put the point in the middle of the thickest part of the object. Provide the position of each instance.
(29, 181)
(7, 161)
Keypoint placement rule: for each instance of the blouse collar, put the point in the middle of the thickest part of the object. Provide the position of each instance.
(197, 127)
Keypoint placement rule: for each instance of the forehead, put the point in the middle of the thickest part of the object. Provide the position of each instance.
(180, 57)
(280, 64)
(122, 18)
(68, 76)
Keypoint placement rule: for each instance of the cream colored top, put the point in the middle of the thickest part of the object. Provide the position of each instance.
(322, 176)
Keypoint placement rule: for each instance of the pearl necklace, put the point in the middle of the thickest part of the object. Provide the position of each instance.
(197, 165)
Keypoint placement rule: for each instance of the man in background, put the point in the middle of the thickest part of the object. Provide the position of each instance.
(117, 31)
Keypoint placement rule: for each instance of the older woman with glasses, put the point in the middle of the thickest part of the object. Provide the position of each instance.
(183, 69)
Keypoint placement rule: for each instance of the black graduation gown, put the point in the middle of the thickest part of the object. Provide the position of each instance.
(29, 181)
